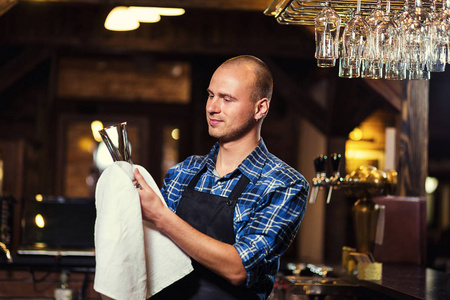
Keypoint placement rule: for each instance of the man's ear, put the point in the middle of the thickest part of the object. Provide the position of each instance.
(261, 108)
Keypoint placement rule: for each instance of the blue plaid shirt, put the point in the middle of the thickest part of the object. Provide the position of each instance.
(267, 214)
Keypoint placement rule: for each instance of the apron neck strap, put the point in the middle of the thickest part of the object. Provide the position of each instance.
(235, 193)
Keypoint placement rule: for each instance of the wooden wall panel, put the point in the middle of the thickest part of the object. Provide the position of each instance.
(143, 80)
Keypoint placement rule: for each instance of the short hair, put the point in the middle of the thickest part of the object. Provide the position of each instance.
(263, 87)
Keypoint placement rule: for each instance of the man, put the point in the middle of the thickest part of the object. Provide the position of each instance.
(236, 210)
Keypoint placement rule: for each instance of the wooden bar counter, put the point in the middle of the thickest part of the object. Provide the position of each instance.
(37, 277)
(399, 281)
(410, 282)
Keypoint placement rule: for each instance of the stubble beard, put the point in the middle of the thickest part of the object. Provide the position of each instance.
(224, 136)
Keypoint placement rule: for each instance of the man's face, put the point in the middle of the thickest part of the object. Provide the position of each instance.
(230, 111)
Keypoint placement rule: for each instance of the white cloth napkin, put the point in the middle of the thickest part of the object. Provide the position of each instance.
(133, 259)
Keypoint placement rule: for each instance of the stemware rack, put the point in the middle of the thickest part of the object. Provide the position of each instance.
(303, 12)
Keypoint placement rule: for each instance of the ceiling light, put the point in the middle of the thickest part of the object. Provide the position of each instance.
(119, 19)
(168, 11)
(144, 14)
(124, 18)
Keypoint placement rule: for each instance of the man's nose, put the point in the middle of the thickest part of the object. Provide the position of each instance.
(212, 106)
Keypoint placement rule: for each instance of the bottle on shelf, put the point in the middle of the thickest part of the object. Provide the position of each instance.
(63, 292)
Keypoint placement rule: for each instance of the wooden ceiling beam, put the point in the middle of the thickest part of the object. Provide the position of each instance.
(391, 91)
(353, 102)
(21, 65)
(197, 32)
(246, 5)
(297, 95)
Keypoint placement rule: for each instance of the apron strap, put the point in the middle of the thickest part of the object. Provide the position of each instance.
(235, 193)
(238, 189)
(196, 178)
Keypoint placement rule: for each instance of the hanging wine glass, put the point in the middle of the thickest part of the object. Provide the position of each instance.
(417, 43)
(354, 40)
(445, 18)
(438, 36)
(370, 67)
(403, 20)
(404, 16)
(387, 48)
(327, 25)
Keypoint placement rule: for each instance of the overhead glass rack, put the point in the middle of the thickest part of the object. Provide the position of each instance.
(303, 12)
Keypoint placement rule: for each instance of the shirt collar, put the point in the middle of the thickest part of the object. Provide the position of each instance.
(251, 166)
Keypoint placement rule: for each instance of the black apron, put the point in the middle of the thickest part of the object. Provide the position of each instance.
(212, 215)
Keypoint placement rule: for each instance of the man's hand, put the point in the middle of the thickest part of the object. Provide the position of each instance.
(151, 205)
(219, 257)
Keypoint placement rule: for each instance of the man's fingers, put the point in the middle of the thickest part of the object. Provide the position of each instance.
(140, 181)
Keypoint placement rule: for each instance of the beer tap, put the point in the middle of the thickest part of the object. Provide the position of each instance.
(321, 177)
(362, 180)
(336, 178)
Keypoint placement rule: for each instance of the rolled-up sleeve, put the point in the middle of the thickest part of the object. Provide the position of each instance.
(265, 232)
